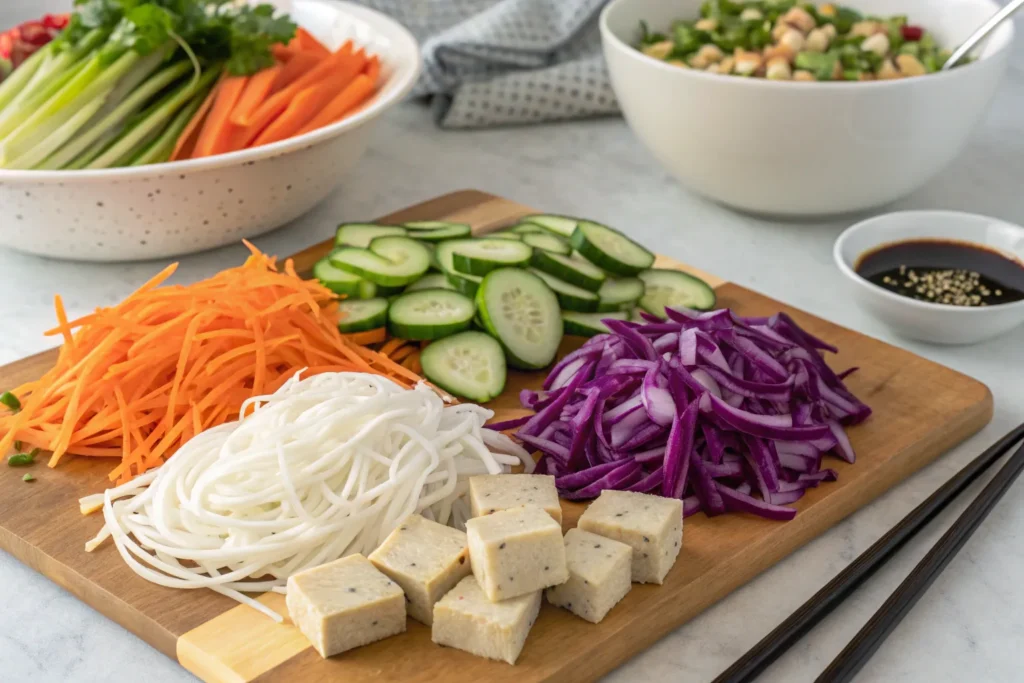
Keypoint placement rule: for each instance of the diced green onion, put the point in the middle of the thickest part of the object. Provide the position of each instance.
(10, 400)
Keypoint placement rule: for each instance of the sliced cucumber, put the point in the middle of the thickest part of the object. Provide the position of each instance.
(469, 364)
(525, 228)
(464, 284)
(340, 281)
(610, 249)
(359, 316)
(510, 236)
(560, 225)
(360, 234)
(430, 281)
(575, 271)
(570, 297)
(430, 314)
(389, 262)
(437, 231)
(547, 242)
(479, 257)
(617, 294)
(521, 312)
(588, 324)
(663, 287)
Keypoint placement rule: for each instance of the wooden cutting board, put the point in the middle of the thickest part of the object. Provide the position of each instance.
(921, 410)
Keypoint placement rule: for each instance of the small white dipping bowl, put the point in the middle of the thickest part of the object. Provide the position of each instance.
(163, 210)
(790, 148)
(920, 320)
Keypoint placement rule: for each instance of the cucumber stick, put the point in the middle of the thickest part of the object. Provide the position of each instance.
(570, 297)
(610, 249)
(663, 287)
(430, 314)
(359, 316)
(522, 313)
(589, 324)
(469, 364)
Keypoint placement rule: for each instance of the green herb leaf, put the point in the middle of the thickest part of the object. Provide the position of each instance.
(28, 477)
(11, 401)
(23, 459)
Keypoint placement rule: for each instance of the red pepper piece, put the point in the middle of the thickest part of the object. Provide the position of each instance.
(912, 33)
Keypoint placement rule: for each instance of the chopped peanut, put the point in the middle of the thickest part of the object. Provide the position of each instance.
(778, 69)
(817, 40)
(827, 10)
(801, 75)
(837, 72)
(867, 28)
(679, 63)
(888, 71)
(793, 39)
(751, 14)
(726, 65)
(866, 76)
(800, 18)
(659, 50)
(780, 29)
(830, 31)
(910, 65)
(773, 51)
(878, 43)
(706, 25)
(706, 55)
(746, 63)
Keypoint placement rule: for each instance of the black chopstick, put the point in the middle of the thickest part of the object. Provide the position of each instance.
(835, 591)
(846, 665)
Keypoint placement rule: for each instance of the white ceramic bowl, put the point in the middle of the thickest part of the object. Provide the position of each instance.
(935, 323)
(180, 207)
(789, 148)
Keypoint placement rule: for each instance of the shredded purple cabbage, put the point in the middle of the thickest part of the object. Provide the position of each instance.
(728, 414)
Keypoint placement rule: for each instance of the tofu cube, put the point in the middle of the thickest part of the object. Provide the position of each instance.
(516, 551)
(600, 572)
(651, 525)
(492, 492)
(344, 604)
(467, 620)
(426, 560)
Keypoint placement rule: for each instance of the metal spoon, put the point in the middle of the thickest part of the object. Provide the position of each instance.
(982, 33)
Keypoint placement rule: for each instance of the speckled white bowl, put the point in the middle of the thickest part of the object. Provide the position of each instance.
(168, 209)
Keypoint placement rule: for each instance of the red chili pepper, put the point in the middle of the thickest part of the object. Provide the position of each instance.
(911, 33)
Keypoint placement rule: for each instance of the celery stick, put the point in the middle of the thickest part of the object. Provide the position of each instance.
(94, 150)
(16, 82)
(93, 83)
(161, 148)
(135, 101)
(153, 118)
(56, 76)
(39, 152)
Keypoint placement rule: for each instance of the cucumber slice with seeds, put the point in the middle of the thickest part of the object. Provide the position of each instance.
(359, 316)
(547, 242)
(437, 231)
(570, 297)
(430, 281)
(617, 294)
(588, 324)
(430, 314)
(610, 249)
(664, 287)
(389, 262)
(479, 257)
(360, 234)
(560, 225)
(575, 271)
(525, 228)
(469, 364)
(464, 284)
(522, 313)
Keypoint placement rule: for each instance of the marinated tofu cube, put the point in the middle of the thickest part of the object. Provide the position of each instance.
(344, 604)
(516, 551)
(426, 560)
(600, 572)
(489, 493)
(466, 619)
(651, 525)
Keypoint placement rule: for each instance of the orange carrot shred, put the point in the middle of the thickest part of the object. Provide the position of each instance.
(369, 337)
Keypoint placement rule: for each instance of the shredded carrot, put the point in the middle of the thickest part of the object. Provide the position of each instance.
(391, 346)
(369, 337)
(137, 380)
(256, 91)
(217, 133)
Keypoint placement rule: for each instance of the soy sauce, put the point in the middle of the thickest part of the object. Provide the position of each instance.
(944, 272)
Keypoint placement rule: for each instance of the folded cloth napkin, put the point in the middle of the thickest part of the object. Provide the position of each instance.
(498, 62)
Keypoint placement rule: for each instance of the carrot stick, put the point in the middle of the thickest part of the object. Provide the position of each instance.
(307, 43)
(256, 91)
(356, 91)
(369, 337)
(372, 69)
(215, 137)
(296, 67)
(342, 63)
(187, 140)
(282, 53)
(300, 111)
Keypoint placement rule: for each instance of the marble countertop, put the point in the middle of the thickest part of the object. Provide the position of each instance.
(968, 627)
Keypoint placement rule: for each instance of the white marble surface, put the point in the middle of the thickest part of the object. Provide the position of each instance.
(968, 627)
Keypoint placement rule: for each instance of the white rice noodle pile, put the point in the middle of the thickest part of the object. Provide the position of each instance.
(324, 467)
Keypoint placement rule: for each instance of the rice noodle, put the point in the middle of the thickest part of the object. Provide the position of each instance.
(324, 467)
